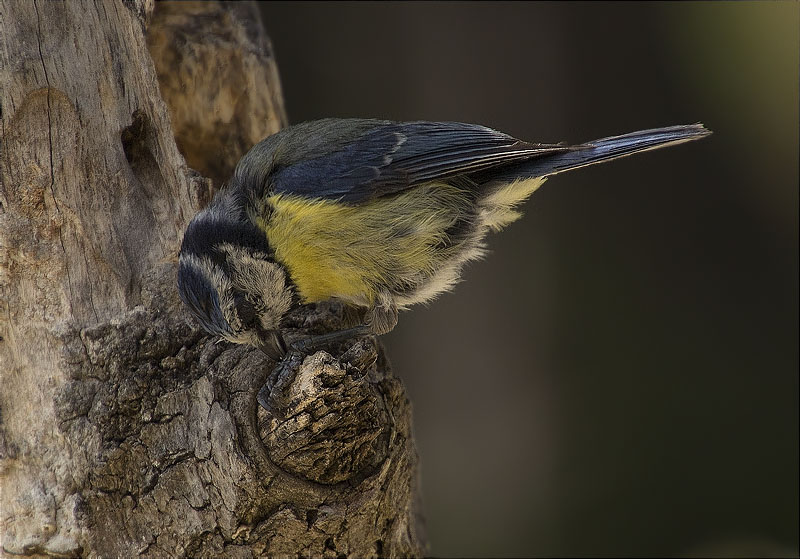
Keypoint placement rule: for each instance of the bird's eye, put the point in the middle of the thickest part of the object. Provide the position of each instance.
(245, 309)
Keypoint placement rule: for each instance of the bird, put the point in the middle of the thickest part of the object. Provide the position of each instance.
(376, 214)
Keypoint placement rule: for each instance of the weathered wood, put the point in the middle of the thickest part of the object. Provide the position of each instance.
(124, 429)
(218, 76)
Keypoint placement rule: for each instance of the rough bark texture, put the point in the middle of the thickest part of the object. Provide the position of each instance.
(124, 429)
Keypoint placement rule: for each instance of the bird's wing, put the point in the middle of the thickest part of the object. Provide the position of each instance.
(395, 156)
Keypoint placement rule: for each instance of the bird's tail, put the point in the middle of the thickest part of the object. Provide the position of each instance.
(605, 149)
(513, 184)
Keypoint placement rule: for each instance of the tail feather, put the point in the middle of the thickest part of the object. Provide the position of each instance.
(604, 149)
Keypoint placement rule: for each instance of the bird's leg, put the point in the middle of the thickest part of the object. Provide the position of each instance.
(312, 343)
(379, 320)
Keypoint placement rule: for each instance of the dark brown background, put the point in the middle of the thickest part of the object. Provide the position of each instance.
(620, 376)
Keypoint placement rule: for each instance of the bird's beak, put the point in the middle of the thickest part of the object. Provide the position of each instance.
(273, 345)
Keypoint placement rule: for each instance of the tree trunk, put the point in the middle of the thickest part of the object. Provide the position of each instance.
(124, 429)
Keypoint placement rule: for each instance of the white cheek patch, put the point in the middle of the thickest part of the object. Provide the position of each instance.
(264, 279)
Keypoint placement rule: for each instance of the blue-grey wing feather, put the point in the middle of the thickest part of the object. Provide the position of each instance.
(396, 156)
(358, 159)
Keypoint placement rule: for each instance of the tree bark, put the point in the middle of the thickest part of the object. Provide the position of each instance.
(124, 429)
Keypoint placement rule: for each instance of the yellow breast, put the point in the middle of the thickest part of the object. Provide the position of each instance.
(353, 252)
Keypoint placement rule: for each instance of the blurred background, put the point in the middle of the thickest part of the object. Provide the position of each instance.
(620, 375)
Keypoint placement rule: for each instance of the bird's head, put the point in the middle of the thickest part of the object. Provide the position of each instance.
(229, 280)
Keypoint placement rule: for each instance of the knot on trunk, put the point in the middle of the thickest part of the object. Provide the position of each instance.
(328, 420)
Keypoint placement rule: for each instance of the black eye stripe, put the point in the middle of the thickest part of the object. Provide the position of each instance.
(245, 309)
(201, 298)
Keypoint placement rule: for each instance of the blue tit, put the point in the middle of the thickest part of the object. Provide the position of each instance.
(376, 214)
